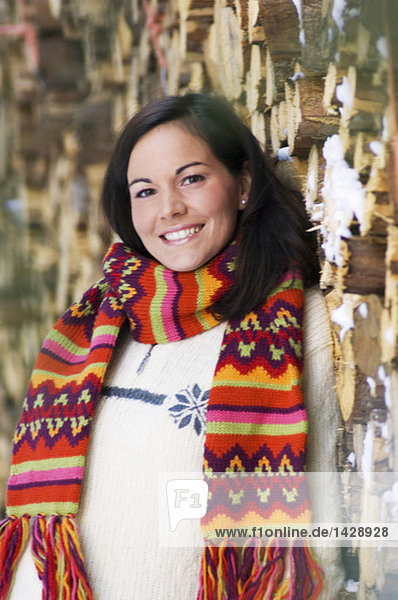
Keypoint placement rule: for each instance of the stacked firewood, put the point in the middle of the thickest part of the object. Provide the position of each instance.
(314, 80)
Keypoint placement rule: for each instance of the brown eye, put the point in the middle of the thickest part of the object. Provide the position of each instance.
(192, 179)
(145, 193)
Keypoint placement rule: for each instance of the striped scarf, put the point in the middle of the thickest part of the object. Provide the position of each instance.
(255, 419)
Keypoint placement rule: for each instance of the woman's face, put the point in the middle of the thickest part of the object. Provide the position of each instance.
(184, 202)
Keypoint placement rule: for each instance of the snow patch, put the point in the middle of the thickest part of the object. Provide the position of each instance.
(352, 459)
(345, 93)
(343, 317)
(311, 180)
(382, 47)
(372, 386)
(363, 310)
(338, 12)
(333, 149)
(386, 381)
(390, 497)
(299, 7)
(297, 75)
(317, 214)
(385, 135)
(345, 196)
(385, 430)
(389, 335)
(351, 586)
(376, 147)
(284, 154)
(367, 453)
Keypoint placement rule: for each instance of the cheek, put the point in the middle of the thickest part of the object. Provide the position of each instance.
(226, 211)
(140, 219)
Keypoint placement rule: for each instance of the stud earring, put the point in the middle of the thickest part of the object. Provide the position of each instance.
(243, 201)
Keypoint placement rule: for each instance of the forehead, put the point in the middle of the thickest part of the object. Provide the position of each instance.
(168, 143)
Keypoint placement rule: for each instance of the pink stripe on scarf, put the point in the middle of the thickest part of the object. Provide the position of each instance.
(106, 338)
(62, 352)
(169, 325)
(231, 416)
(48, 475)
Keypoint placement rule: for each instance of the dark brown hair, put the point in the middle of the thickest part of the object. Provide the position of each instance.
(273, 226)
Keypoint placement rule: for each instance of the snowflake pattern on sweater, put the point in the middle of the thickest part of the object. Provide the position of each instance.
(187, 407)
(191, 408)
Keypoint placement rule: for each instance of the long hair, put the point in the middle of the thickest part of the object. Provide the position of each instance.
(272, 228)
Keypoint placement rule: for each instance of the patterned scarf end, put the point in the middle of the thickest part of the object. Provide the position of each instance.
(56, 554)
(259, 572)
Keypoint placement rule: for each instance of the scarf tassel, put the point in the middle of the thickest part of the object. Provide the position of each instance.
(14, 533)
(259, 574)
(56, 554)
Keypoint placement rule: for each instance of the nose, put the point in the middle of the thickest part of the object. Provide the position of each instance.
(171, 204)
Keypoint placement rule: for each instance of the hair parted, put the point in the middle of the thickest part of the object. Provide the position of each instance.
(272, 227)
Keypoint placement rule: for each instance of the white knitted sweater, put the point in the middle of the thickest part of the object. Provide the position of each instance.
(151, 420)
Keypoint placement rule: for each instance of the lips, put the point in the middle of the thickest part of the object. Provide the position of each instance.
(181, 234)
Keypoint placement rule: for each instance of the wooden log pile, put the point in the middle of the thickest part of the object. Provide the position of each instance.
(316, 82)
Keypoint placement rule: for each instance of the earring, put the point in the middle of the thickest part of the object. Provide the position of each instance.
(243, 201)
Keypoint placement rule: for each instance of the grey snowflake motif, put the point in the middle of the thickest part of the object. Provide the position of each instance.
(191, 408)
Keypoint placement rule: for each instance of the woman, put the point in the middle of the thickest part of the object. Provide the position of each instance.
(199, 319)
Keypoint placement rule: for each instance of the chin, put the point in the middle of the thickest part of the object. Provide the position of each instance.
(184, 263)
(183, 268)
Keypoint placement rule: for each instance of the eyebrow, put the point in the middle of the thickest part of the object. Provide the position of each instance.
(192, 164)
(143, 179)
(178, 171)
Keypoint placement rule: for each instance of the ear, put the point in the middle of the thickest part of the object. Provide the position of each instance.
(245, 182)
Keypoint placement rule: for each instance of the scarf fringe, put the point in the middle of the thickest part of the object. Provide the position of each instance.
(260, 573)
(56, 554)
(14, 533)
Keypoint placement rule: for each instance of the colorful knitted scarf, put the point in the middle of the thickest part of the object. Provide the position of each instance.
(255, 419)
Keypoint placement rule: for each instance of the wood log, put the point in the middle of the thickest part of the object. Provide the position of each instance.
(333, 276)
(366, 273)
(223, 52)
(344, 356)
(389, 330)
(282, 29)
(62, 66)
(329, 99)
(270, 89)
(364, 159)
(258, 127)
(369, 393)
(316, 51)
(308, 122)
(200, 15)
(97, 14)
(201, 10)
(197, 32)
(95, 131)
(256, 29)
(242, 12)
(253, 79)
(196, 82)
(183, 12)
(274, 130)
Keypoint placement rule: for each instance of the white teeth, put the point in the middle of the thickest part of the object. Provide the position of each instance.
(182, 233)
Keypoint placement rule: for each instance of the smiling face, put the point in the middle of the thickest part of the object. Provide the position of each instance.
(184, 201)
